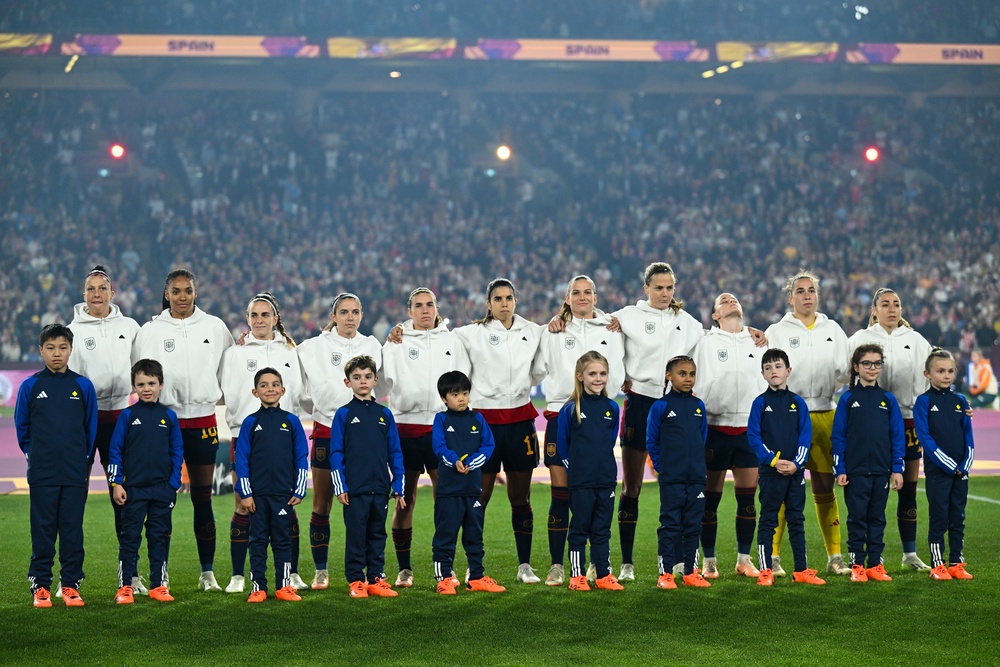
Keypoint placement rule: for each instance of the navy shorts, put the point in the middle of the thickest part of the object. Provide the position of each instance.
(634, 423)
(913, 449)
(516, 447)
(418, 454)
(201, 445)
(725, 452)
(551, 457)
(320, 457)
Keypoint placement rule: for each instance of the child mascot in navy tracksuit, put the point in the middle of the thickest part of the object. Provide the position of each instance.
(780, 432)
(676, 431)
(463, 443)
(868, 442)
(945, 432)
(144, 470)
(585, 442)
(272, 468)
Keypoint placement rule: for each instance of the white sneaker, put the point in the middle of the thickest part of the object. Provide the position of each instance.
(467, 573)
(235, 584)
(166, 581)
(627, 573)
(556, 575)
(138, 587)
(320, 581)
(591, 573)
(709, 568)
(404, 579)
(678, 569)
(776, 568)
(835, 565)
(744, 566)
(295, 581)
(913, 560)
(58, 589)
(207, 581)
(526, 575)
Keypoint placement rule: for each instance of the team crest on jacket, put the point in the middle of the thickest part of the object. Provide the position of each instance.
(570, 342)
(169, 345)
(793, 342)
(336, 358)
(90, 343)
(494, 339)
(723, 355)
(251, 365)
(650, 327)
(414, 353)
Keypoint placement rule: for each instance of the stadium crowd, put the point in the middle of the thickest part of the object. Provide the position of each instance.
(380, 194)
(871, 21)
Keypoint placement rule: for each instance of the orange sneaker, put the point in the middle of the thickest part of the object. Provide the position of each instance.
(359, 589)
(766, 577)
(808, 576)
(696, 580)
(382, 589)
(957, 571)
(42, 598)
(878, 573)
(487, 584)
(667, 581)
(288, 594)
(744, 567)
(71, 597)
(858, 573)
(940, 573)
(447, 586)
(124, 595)
(609, 583)
(160, 594)
(579, 583)
(257, 596)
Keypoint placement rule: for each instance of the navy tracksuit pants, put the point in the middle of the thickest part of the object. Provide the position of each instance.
(682, 505)
(776, 489)
(271, 522)
(153, 505)
(946, 499)
(452, 513)
(364, 543)
(866, 497)
(56, 511)
(592, 510)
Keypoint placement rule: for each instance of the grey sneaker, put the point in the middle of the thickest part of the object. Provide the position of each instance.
(913, 560)
(776, 568)
(556, 576)
(627, 573)
(526, 575)
(207, 581)
(236, 584)
(404, 579)
(295, 581)
(836, 565)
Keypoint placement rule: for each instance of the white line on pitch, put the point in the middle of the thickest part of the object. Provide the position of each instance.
(972, 497)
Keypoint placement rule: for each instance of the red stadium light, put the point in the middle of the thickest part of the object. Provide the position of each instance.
(117, 151)
(871, 154)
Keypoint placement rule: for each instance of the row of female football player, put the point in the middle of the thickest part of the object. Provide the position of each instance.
(505, 356)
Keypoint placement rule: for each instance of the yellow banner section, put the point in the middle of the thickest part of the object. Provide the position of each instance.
(24, 43)
(353, 48)
(750, 52)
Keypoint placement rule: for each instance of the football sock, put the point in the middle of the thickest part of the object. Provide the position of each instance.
(710, 523)
(906, 516)
(239, 542)
(628, 514)
(402, 539)
(779, 532)
(204, 525)
(558, 523)
(523, 521)
(746, 518)
(319, 539)
(828, 516)
(294, 534)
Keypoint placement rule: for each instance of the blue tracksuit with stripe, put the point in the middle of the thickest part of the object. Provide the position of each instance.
(868, 443)
(676, 431)
(779, 428)
(56, 422)
(364, 447)
(466, 437)
(272, 466)
(945, 433)
(145, 456)
(586, 446)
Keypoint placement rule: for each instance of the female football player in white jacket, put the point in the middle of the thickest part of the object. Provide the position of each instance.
(905, 352)
(817, 352)
(729, 379)
(190, 344)
(411, 368)
(323, 359)
(267, 346)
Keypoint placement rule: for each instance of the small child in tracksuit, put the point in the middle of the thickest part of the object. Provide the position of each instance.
(144, 470)
(463, 443)
(364, 446)
(56, 422)
(272, 468)
(676, 431)
(780, 432)
(868, 443)
(945, 432)
(586, 434)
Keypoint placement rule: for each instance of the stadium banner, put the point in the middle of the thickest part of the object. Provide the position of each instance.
(587, 50)
(764, 52)
(14, 44)
(357, 49)
(923, 54)
(219, 46)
